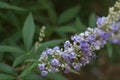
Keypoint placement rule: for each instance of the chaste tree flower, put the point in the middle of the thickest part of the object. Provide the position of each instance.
(80, 50)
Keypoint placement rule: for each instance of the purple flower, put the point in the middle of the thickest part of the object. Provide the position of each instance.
(80, 51)
(106, 35)
(93, 55)
(91, 38)
(84, 61)
(86, 48)
(100, 21)
(53, 69)
(67, 69)
(97, 45)
(98, 31)
(75, 38)
(49, 51)
(72, 55)
(115, 41)
(41, 66)
(44, 73)
(118, 24)
(56, 48)
(70, 61)
(115, 26)
(67, 44)
(44, 54)
(77, 66)
(86, 53)
(65, 56)
(54, 62)
(84, 43)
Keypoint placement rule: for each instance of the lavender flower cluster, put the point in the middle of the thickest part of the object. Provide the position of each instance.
(80, 50)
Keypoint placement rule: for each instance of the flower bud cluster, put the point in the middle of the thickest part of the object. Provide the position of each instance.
(80, 50)
(40, 39)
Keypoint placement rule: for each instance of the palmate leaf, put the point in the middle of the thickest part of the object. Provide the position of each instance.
(28, 70)
(56, 76)
(33, 76)
(69, 14)
(19, 60)
(80, 27)
(66, 29)
(6, 77)
(28, 31)
(51, 12)
(5, 48)
(92, 20)
(8, 6)
(7, 69)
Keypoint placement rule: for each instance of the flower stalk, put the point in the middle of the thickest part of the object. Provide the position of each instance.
(80, 50)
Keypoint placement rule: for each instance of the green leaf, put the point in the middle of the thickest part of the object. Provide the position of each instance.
(50, 9)
(6, 77)
(62, 35)
(110, 50)
(33, 76)
(7, 69)
(28, 31)
(116, 49)
(52, 15)
(1, 56)
(66, 29)
(51, 43)
(92, 20)
(28, 70)
(69, 14)
(56, 76)
(8, 6)
(31, 60)
(73, 71)
(79, 25)
(4, 48)
(19, 60)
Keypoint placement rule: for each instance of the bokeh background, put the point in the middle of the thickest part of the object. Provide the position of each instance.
(62, 18)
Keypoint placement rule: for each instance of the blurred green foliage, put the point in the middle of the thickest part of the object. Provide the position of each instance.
(62, 18)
